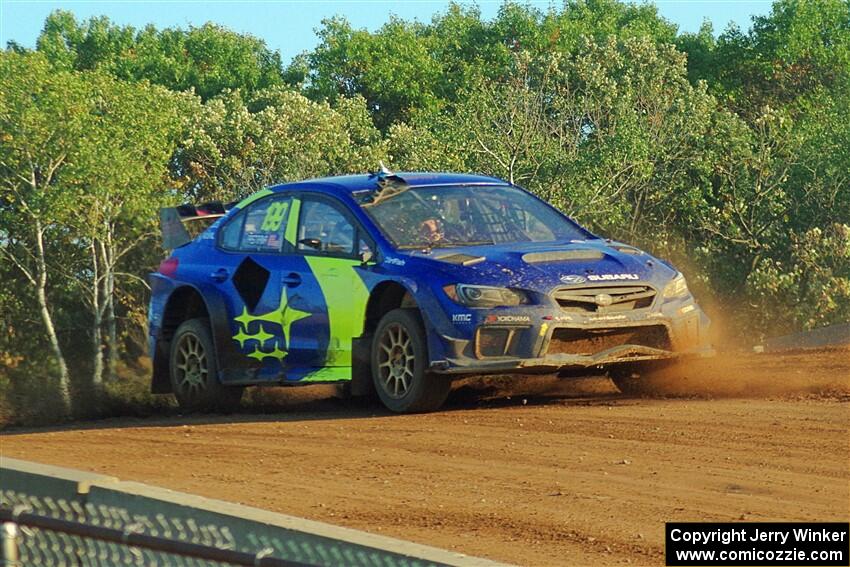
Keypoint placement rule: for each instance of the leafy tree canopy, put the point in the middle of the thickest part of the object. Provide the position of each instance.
(208, 59)
(405, 67)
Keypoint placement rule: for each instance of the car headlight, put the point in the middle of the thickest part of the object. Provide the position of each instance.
(485, 296)
(677, 287)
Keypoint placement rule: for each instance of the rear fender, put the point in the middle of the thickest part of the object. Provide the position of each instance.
(229, 361)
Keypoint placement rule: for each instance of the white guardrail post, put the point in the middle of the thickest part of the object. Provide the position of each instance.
(9, 545)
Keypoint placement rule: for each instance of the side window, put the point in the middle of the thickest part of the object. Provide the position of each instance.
(231, 232)
(324, 228)
(259, 228)
(363, 247)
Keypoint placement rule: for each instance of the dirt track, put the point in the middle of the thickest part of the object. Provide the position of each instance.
(565, 473)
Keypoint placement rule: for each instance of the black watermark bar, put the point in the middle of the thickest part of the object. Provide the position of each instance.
(758, 543)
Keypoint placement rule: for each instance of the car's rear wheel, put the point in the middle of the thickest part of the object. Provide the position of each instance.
(399, 365)
(194, 371)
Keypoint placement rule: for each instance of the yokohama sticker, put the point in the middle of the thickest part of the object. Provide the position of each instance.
(507, 319)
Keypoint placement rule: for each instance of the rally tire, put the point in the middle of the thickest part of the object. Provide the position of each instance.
(399, 362)
(193, 370)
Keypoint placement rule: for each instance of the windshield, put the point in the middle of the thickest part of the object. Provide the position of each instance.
(450, 215)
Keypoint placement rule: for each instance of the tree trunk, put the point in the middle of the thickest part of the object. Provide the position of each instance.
(47, 318)
(109, 304)
(111, 330)
(97, 321)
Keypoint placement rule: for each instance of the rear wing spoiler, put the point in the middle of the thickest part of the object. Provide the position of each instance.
(171, 220)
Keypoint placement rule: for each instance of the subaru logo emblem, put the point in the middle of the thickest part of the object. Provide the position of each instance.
(603, 299)
(572, 279)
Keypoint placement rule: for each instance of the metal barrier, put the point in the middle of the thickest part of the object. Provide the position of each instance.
(47, 538)
(55, 517)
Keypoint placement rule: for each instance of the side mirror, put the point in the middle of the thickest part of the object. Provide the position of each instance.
(313, 243)
(366, 257)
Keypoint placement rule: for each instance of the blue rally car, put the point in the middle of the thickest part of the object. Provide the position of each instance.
(401, 282)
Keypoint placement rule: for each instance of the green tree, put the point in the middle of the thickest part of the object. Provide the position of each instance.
(800, 47)
(405, 68)
(84, 162)
(239, 146)
(40, 132)
(809, 282)
(500, 128)
(392, 69)
(207, 59)
(131, 132)
(614, 135)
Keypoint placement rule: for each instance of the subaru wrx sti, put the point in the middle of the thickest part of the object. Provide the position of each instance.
(398, 283)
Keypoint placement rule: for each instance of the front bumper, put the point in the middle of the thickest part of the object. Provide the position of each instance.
(542, 340)
(554, 363)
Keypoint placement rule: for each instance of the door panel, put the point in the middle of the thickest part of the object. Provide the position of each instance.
(256, 261)
(306, 324)
(345, 296)
(295, 297)
(337, 296)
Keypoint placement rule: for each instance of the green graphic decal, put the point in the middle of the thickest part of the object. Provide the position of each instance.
(292, 224)
(284, 316)
(329, 374)
(345, 296)
(260, 355)
(251, 198)
(262, 336)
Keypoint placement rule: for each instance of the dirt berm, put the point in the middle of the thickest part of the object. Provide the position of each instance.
(536, 472)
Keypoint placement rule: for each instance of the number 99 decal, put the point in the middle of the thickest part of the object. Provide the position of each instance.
(275, 216)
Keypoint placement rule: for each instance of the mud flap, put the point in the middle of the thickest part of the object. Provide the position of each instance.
(361, 371)
(161, 381)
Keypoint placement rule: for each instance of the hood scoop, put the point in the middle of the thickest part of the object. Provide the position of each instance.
(628, 250)
(461, 259)
(562, 256)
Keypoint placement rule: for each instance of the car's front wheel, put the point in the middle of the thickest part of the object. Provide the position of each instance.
(194, 371)
(399, 365)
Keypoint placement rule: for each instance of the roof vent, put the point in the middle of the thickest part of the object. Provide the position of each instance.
(389, 184)
(387, 178)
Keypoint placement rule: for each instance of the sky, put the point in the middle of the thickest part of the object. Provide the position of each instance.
(289, 25)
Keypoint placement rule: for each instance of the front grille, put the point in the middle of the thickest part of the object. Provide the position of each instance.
(605, 299)
(592, 341)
